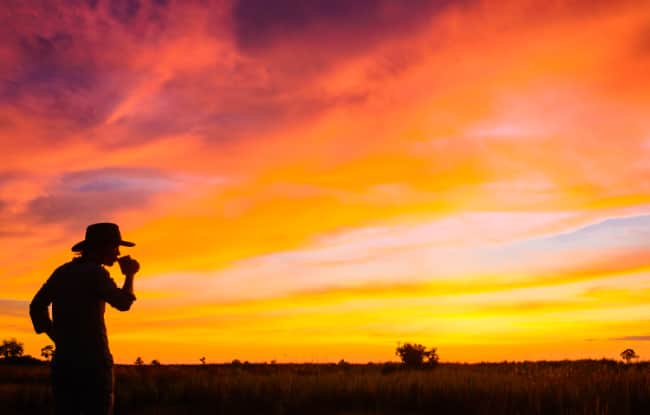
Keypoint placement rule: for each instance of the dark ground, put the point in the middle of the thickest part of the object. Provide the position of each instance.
(569, 387)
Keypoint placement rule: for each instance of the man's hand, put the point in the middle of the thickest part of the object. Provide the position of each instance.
(128, 265)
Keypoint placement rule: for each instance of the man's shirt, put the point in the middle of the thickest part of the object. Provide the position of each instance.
(78, 292)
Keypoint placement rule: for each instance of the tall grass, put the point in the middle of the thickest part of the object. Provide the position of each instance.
(580, 387)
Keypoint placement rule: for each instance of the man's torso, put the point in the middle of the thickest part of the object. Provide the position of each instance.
(78, 315)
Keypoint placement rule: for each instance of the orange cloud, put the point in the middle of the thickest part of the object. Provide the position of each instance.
(304, 154)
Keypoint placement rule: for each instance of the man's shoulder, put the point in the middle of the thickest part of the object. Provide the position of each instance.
(81, 266)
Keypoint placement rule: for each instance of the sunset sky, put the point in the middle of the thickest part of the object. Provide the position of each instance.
(321, 179)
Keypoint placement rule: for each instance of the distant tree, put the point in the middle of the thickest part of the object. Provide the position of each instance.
(413, 355)
(628, 355)
(155, 362)
(202, 359)
(139, 361)
(11, 349)
(47, 352)
(236, 362)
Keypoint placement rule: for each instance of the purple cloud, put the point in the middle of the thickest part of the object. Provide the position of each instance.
(70, 65)
(109, 179)
(94, 195)
(124, 11)
(72, 61)
(357, 23)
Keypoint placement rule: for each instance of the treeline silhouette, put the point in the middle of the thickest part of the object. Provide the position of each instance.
(412, 355)
(12, 352)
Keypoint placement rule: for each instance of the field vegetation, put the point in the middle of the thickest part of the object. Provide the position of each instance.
(565, 387)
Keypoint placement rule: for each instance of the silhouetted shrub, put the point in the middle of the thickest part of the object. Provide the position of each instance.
(11, 348)
(47, 352)
(628, 355)
(413, 355)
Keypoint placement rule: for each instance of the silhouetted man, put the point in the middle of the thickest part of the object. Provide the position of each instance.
(82, 367)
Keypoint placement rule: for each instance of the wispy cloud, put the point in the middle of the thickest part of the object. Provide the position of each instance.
(13, 308)
(370, 154)
(632, 338)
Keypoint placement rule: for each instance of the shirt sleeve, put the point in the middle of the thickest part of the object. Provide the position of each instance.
(112, 294)
(39, 307)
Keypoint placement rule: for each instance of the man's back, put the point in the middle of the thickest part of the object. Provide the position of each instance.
(78, 291)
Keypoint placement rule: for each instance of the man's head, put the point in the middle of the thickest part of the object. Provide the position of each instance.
(105, 254)
(102, 242)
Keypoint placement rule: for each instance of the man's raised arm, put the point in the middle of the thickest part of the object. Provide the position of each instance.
(120, 298)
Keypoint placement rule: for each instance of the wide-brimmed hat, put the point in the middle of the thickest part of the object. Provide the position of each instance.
(99, 234)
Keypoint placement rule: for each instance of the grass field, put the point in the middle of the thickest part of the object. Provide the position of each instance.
(572, 387)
